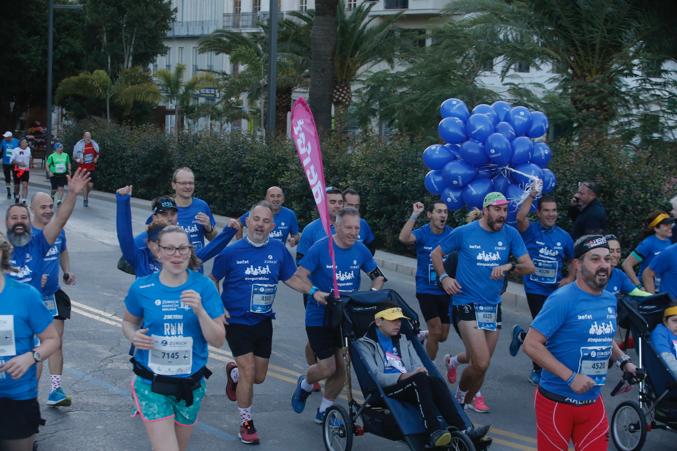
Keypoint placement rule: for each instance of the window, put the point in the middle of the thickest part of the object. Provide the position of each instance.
(210, 60)
(303, 5)
(194, 59)
(522, 66)
(237, 6)
(168, 58)
(256, 8)
(180, 61)
(352, 4)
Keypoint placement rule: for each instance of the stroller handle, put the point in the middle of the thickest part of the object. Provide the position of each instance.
(629, 379)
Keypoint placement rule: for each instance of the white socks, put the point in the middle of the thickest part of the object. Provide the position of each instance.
(306, 386)
(325, 404)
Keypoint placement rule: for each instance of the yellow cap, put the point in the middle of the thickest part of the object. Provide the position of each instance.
(390, 314)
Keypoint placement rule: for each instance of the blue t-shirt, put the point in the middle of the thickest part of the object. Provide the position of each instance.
(51, 263)
(550, 248)
(665, 267)
(426, 241)
(663, 340)
(619, 282)
(479, 252)
(579, 328)
(349, 262)
(28, 260)
(7, 148)
(393, 360)
(366, 235)
(285, 224)
(647, 250)
(186, 220)
(250, 278)
(181, 348)
(314, 232)
(22, 316)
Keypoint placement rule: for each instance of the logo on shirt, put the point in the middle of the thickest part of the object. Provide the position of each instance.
(158, 302)
(258, 271)
(474, 246)
(190, 229)
(488, 256)
(276, 234)
(548, 252)
(241, 262)
(604, 328)
(584, 317)
(345, 276)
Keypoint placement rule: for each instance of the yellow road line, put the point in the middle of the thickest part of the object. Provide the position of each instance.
(524, 438)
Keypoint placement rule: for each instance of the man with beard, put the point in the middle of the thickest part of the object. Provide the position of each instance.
(484, 248)
(30, 248)
(434, 302)
(251, 270)
(286, 224)
(572, 340)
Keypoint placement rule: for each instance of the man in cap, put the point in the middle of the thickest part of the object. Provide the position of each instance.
(9, 143)
(572, 339)
(484, 250)
(587, 212)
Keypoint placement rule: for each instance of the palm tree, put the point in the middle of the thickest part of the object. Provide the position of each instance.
(322, 71)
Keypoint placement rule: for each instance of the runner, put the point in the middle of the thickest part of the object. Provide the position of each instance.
(54, 298)
(325, 342)
(484, 248)
(551, 249)
(655, 238)
(58, 167)
(664, 266)
(22, 317)
(286, 225)
(170, 318)
(9, 143)
(251, 269)
(21, 161)
(86, 154)
(434, 302)
(195, 216)
(619, 282)
(572, 340)
(351, 198)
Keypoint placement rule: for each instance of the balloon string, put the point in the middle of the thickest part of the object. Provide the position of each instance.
(527, 187)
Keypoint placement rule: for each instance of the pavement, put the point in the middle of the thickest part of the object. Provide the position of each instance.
(97, 373)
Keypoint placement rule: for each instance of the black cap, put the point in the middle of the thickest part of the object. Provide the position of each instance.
(162, 204)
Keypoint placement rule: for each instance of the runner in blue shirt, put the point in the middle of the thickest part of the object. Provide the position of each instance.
(351, 258)
(655, 238)
(9, 143)
(572, 340)
(195, 216)
(432, 300)
(22, 317)
(551, 249)
(286, 225)
(251, 269)
(351, 198)
(484, 248)
(665, 267)
(664, 339)
(171, 318)
(619, 282)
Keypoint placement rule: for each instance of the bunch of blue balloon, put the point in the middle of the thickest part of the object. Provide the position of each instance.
(495, 147)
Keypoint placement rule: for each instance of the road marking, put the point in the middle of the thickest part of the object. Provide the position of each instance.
(524, 438)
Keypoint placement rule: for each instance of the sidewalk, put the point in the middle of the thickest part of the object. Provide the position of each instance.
(513, 299)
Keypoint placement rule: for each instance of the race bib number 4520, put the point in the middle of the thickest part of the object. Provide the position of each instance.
(594, 362)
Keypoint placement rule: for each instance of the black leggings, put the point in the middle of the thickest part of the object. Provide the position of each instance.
(431, 396)
(7, 170)
(535, 302)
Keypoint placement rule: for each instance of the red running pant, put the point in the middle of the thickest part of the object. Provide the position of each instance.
(557, 423)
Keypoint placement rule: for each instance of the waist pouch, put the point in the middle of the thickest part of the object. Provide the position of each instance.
(179, 387)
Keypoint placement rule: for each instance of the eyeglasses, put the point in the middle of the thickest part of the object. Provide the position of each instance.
(185, 183)
(171, 250)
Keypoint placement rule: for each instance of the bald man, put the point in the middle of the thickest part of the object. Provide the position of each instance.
(286, 224)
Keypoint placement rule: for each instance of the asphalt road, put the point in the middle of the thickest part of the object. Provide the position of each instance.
(97, 372)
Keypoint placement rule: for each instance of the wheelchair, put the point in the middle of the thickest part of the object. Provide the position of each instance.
(379, 414)
(656, 406)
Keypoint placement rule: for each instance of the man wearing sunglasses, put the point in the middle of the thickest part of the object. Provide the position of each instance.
(587, 212)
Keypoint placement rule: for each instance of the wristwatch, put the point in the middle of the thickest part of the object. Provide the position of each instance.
(37, 357)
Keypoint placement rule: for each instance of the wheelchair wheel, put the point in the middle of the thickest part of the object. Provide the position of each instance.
(337, 429)
(628, 427)
(460, 442)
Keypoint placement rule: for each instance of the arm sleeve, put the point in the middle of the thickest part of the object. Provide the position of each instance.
(660, 263)
(216, 245)
(551, 317)
(642, 250)
(287, 266)
(517, 246)
(132, 302)
(368, 234)
(123, 224)
(208, 212)
(452, 242)
(243, 219)
(661, 341)
(310, 260)
(219, 266)
(369, 263)
(293, 224)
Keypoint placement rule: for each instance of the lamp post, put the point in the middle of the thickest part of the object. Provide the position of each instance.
(272, 68)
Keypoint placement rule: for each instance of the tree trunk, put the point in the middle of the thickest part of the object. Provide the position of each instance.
(282, 107)
(322, 72)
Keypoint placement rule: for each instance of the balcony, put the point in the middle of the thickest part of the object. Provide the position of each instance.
(395, 4)
(247, 21)
(193, 28)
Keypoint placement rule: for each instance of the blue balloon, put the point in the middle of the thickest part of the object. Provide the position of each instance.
(452, 197)
(452, 130)
(501, 183)
(473, 152)
(506, 130)
(487, 171)
(549, 181)
(436, 156)
(483, 108)
(453, 148)
(474, 192)
(528, 168)
(434, 182)
(520, 118)
(454, 108)
(522, 147)
(541, 155)
(479, 127)
(498, 149)
(458, 173)
(539, 125)
(502, 110)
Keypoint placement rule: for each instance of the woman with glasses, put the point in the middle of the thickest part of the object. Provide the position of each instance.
(655, 238)
(171, 317)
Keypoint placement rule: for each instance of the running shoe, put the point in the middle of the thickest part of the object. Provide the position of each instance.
(451, 369)
(298, 399)
(317, 387)
(231, 385)
(535, 377)
(422, 336)
(516, 341)
(248, 434)
(319, 416)
(440, 438)
(57, 398)
(478, 404)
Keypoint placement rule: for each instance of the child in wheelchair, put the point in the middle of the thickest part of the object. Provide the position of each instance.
(664, 339)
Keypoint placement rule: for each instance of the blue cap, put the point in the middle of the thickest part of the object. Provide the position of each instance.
(57, 146)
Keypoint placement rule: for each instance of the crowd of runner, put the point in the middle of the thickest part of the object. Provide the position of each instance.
(173, 311)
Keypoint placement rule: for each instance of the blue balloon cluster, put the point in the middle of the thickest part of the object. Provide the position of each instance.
(491, 148)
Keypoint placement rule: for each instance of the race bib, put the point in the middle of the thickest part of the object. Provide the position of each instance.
(432, 275)
(262, 298)
(546, 271)
(50, 304)
(594, 362)
(60, 168)
(89, 157)
(7, 341)
(171, 356)
(486, 316)
(395, 361)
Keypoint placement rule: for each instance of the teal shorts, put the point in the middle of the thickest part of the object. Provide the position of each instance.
(155, 407)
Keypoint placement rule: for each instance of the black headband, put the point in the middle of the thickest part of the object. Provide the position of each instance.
(588, 243)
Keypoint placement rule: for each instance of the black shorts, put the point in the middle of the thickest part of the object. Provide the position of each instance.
(256, 339)
(7, 170)
(92, 176)
(434, 306)
(20, 419)
(323, 341)
(58, 181)
(466, 312)
(63, 305)
(23, 178)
